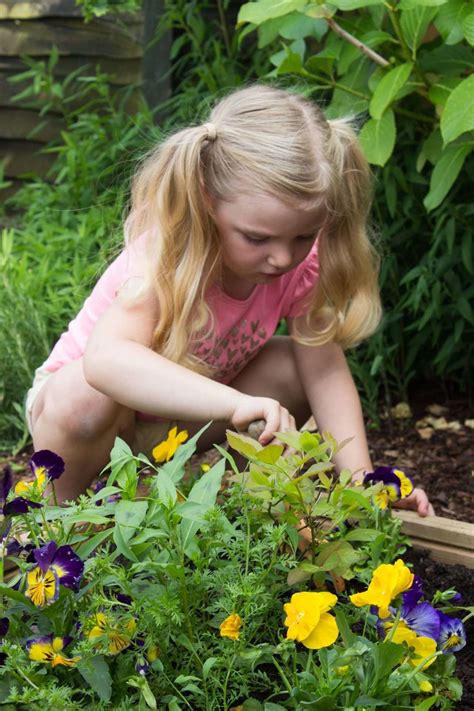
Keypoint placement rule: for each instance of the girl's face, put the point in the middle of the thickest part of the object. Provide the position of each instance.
(262, 238)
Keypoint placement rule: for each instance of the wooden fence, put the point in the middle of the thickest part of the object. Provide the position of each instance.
(114, 43)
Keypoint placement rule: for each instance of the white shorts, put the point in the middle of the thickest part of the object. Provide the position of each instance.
(147, 434)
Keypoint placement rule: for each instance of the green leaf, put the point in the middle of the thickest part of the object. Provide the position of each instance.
(458, 114)
(468, 27)
(86, 548)
(385, 656)
(349, 496)
(445, 173)
(377, 138)
(302, 572)
(426, 704)
(354, 4)
(410, 4)
(466, 253)
(414, 24)
(388, 88)
(440, 92)
(95, 671)
(362, 534)
(204, 494)
(165, 489)
(321, 62)
(270, 454)
(17, 596)
(207, 666)
(129, 515)
(337, 557)
(258, 12)
(243, 444)
(447, 60)
(450, 19)
(120, 539)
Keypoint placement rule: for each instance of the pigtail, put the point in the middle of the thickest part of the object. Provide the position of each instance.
(347, 304)
(169, 204)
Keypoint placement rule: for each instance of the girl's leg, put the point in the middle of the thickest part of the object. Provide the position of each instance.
(272, 373)
(80, 424)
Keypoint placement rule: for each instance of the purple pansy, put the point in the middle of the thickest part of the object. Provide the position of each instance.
(396, 485)
(452, 635)
(63, 561)
(415, 593)
(142, 667)
(48, 462)
(16, 506)
(422, 618)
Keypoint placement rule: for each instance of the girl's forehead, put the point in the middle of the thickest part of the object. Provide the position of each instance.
(267, 213)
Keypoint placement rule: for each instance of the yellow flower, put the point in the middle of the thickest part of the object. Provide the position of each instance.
(426, 686)
(231, 627)
(423, 647)
(342, 671)
(46, 649)
(42, 588)
(153, 653)
(406, 484)
(165, 450)
(24, 487)
(117, 640)
(205, 467)
(387, 582)
(308, 620)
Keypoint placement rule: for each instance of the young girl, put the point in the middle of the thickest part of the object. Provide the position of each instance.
(257, 215)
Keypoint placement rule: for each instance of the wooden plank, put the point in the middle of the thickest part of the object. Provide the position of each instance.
(19, 123)
(71, 37)
(23, 158)
(21, 10)
(123, 71)
(445, 554)
(458, 534)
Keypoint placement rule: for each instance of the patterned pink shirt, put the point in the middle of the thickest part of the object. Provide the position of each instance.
(242, 327)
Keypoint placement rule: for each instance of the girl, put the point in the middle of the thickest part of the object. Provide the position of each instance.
(229, 224)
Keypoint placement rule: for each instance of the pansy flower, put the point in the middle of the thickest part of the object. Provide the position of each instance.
(423, 647)
(46, 466)
(118, 635)
(231, 627)
(55, 566)
(396, 485)
(452, 635)
(388, 581)
(48, 649)
(165, 450)
(16, 506)
(309, 621)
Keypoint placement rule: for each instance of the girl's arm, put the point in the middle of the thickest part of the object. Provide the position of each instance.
(119, 362)
(336, 407)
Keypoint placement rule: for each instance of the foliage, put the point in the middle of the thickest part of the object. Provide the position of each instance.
(174, 598)
(97, 8)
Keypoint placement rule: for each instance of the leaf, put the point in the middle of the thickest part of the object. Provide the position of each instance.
(95, 671)
(447, 60)
(349, 496)
(458, 114)
(270, 454)
(445, 173)
(203, 493)
(377, 138)
(385, 656)
(120, 539)
(16, 595)
(388, 88)
(337, 557)
(129, 515)
(165, 489)
(86, 548)
(243, 444)
(468, 27)
(410, 4)
(302, 572)
(354, 4)
(449, 21)
(258, 12)
(207, 666)
(362, 534)
(426, 704)
(414, 24)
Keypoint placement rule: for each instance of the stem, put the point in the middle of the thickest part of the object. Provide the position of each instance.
(226, 681)
(224, 29)
(392, 11)
(26, 678)
(283, 675)
(377, 58)
(247, 545)
(394, 626)
(310, 660)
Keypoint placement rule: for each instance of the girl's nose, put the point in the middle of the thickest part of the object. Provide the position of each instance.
(280, 258)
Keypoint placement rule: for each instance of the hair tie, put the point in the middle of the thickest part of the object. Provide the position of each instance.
(211, 131)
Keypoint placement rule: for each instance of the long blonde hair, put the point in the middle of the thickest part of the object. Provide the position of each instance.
(271, 141)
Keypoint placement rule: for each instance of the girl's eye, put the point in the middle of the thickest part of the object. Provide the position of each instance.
(255, 240)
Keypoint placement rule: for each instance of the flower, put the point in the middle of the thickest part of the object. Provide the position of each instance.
(309, 621)
(104, 627)
(426, 686)
(46, 466)
(388, 581)
(16, 506)
(396, 485)
(231, 627)
(48, 648)
(55, 566)
(165, 450)
(452, 635)
(423, 647)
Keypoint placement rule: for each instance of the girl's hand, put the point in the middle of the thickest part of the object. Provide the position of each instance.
(277, 417)
(417, 501)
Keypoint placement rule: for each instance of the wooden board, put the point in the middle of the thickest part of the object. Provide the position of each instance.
(449, 541)
(22, 157)
(22, 10)
(71, 36)
(19, 123)
(122, 71)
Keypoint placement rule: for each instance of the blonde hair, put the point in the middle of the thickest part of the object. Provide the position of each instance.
(274, 142)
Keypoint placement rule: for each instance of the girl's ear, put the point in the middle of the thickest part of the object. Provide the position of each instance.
(209, 201)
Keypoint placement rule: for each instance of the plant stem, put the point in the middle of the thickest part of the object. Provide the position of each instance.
(377, 58)
(283, 675)
(225, 32)
(226, 681)
(310, 660)
(26, 678)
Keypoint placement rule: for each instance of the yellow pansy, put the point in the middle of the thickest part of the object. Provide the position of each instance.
(309, 621)
(42, 588)
(104, 628)
(231, 627)
(423, 647)
(165, 450)
(406, 484)
(426, 686)
(388, 581)
(25, 487)
(47, 649)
